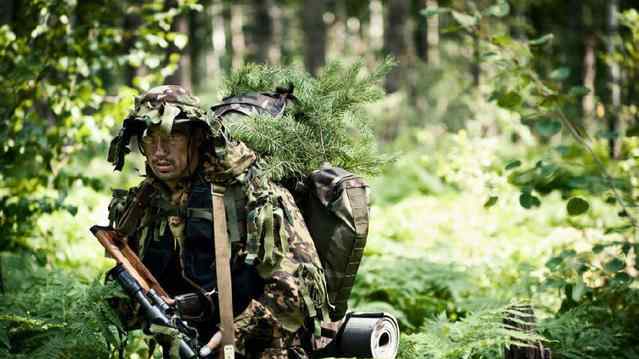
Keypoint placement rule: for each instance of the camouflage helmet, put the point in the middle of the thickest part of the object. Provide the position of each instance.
(162, 105)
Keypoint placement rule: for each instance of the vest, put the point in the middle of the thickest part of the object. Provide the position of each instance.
(191, 268)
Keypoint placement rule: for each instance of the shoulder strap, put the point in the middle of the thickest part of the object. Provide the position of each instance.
(223, 272)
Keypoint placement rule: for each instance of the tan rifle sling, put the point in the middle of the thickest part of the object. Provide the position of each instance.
(223, 272)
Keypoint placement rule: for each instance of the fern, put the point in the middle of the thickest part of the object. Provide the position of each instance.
(481, 334)
(415, 289)
(333, 127)
(51, 314)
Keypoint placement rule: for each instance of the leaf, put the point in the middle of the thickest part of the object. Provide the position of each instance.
(577, 206)
(598, 248)
(4, 336)
(464, 20)
(578, 91)
(541, 40)
(522, 178)
(500, 9)
(559, 74)
(529, 201)
(578, 290)
(615, 265)
(434, 11)
(633, 131)
(554, 262)
(491, 201)
(502, 40)
(607, 135)
(622, 278)
(547, 127)
(509, 100)
(618, 229)
(180, 40)
(512, 164)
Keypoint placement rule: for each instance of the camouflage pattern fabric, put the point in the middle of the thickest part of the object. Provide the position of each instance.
(295, 287)
(275, 239)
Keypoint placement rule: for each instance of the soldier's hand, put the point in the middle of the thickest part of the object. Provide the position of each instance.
(168, 300)
(213, 344)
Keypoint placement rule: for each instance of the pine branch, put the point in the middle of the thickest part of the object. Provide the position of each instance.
(333, 127)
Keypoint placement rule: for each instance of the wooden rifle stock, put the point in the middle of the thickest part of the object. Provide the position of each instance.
(117, 247)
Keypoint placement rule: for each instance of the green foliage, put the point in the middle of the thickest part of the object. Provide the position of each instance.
(56, 58)
(593, 332)
(481, 334)
(50, 314)
(411, 289)
(328, 124)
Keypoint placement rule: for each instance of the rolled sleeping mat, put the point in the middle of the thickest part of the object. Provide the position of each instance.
(364, 335)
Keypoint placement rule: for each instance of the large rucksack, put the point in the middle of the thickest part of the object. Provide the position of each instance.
(333, 201)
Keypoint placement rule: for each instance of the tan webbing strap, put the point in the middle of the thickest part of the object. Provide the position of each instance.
(223, 273)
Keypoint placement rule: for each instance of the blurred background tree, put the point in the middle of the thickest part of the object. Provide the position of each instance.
(514, 125)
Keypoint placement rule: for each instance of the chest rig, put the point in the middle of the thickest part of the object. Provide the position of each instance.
(144, 215)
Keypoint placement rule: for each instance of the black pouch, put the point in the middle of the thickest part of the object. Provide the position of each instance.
(194, 307)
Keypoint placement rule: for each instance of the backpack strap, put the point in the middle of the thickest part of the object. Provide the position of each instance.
(223, 272)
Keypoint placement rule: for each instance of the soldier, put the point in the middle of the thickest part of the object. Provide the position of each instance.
(279, 293)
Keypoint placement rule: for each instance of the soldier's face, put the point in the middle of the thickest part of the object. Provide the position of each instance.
(168, 154)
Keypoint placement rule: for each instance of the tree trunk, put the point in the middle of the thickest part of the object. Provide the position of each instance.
(314, 34)
(394, 41)
(376, 25)
(420, 35)
(200, 30)
(131, 23)
(590, 72)
(432, 36)
(238, 42)
(613, 79)
(182, 75)
(218, 40)
(7, 8)
(275, 45)
(476, 62)
(261, 32)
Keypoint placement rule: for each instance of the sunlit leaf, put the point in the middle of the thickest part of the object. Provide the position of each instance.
(578, 290)
(577, 206)
(542, 40)
(554, 262)
(559, 74)
(509, 100)
(180, 40)
(464, 20)
(512, 164)
(619, 229)
(500, 9)
(491, 201)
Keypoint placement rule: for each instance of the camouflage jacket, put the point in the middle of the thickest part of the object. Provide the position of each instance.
(268, 235)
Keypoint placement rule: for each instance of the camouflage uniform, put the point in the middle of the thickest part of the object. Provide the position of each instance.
(278, 283)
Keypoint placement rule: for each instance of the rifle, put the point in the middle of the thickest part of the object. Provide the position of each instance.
(142, 287)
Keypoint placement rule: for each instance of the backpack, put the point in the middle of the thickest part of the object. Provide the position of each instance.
(333, 202)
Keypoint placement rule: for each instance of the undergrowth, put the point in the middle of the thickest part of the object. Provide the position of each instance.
(48, 313)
